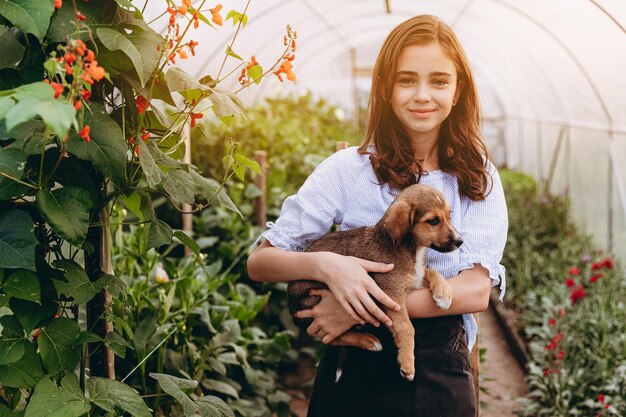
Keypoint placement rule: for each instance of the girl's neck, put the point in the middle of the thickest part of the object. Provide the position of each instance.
(425, 150)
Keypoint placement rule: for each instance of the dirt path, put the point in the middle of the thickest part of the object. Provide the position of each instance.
(501, 375)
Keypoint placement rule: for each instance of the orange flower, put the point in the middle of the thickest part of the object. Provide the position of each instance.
(182, 54)
(70, 58)
(194, 117)
(90, 56)
(96, 72)
(217, 19)
(187, 3)
(172, 57)
(196, 20)
(87, 78)
(85, 133)
(68, 69)
(192, 47)
(58, 89)
(78, 105)
(172, 13)
(285, 68)
(80, 47)
(58, 4)
(182, 9)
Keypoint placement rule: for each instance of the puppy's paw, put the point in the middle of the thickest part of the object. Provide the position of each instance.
(372, 343)
(442, 295)
(408, 374)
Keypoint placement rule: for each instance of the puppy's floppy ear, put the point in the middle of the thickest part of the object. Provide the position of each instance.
(398, 220)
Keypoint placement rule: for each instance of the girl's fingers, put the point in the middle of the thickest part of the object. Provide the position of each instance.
(303, 314)
(376, 311)
(348, 307)
(375, 266)
(312, 329)
(362, 311)
(380, 295)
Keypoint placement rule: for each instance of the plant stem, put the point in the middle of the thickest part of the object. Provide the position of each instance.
(149, 354)
(18, 181)
(233, 41)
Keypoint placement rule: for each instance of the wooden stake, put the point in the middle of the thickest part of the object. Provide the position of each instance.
(261, 182)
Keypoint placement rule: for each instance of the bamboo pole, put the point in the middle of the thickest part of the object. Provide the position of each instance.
(187, 216)
(261, 182)
(475, 362)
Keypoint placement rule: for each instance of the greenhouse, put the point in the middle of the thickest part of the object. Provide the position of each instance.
(146, 145)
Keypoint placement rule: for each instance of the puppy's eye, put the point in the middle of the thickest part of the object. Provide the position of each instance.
(434, 221)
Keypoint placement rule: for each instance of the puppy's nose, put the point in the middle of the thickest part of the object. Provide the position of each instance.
(458, 242)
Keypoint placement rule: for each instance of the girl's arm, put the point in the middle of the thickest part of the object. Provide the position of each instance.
(470, 291)
(346, 276)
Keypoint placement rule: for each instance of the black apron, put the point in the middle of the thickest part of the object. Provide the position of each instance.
(371, 384)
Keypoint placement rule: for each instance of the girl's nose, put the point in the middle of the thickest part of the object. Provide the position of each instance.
(422, 94)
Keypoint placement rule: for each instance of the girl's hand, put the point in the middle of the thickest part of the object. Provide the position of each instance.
(347, 279)
(329, 318)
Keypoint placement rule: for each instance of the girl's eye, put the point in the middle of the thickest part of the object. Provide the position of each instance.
(434, 221)
(405, 81)
(440, 83)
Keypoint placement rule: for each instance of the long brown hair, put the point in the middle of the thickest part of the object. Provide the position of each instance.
(461, 149)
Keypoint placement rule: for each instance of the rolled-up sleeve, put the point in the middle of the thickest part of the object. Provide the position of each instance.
(484, 229)
(312, 211)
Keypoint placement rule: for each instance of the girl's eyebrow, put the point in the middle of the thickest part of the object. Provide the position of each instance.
(432, 74)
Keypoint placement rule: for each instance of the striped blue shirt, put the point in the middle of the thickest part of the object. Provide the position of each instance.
(344, 190)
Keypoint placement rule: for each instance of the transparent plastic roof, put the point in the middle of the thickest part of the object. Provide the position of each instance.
(557, 61)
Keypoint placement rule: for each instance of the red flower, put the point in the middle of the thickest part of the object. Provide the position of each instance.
(596, 277)
(86, 94)
(142, 103)
(561, 355)
(85, 133)
(570, 282)
(601, 398)
(552, 321)
(577, 294)
(58, 89)
(78, 105)
(596, 265)
(145, 136)
(194, 117)
(555, 341)
(137, 149)
(58, 4)
(608, 263)
(574, 271)
(81, 16)
(36, 334)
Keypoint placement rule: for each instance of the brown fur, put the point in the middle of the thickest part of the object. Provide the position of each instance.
(396, 238)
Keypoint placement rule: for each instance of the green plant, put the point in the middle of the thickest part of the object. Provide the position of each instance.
(80, 131)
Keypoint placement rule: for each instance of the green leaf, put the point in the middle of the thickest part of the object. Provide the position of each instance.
(48, 400)
(12, 162)
(78, 285)
(179, 185)
(23, 373)
(225, 103)
(208, 188)
(98, 13)
(256, 72)
(12, 49)
(13, 343)
(236, 16)
(112, 284)
(30, 16)
(221, 387)
(87, 337)
(31, 314)
(187, 241)
(232, 53)
(109, 394)
(117, 343)
(146, 41)
(59, 116)
(5, 105)
(114, 40)
(159, 233)
(214, 406)
(178, 80)
(57, 346)
(133, 203)
(151, 170)
(107, 149)
(67, 211)
(29, 136)
(23, 284)
(248, 163)
(17, 240)
(174, 386)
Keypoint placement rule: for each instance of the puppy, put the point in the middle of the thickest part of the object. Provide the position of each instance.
(419, 218)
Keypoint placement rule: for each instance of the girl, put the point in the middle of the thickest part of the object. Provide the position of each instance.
(423, 126)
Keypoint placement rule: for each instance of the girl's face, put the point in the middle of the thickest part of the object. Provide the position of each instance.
(424, 89)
